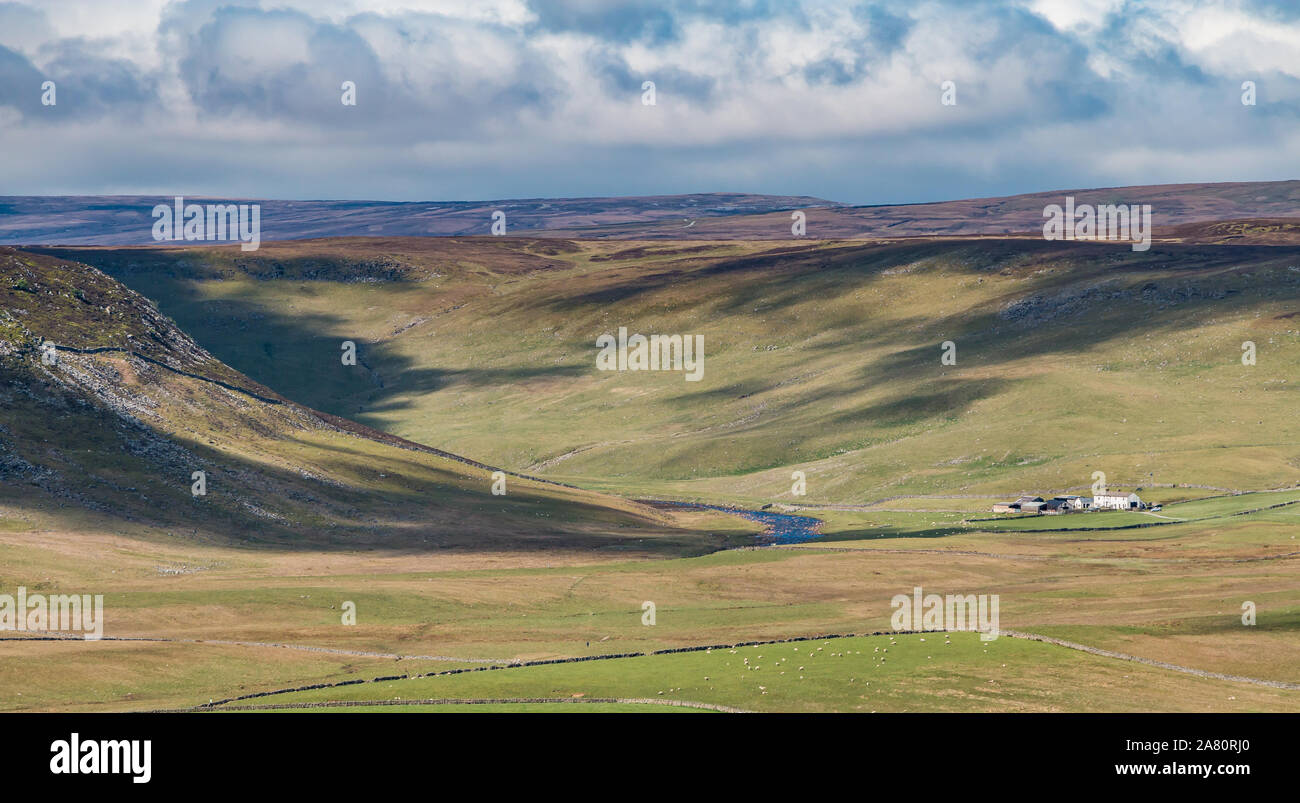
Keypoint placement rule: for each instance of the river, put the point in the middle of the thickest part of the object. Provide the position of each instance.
(780, 528)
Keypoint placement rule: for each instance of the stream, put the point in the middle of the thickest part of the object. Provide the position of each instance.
(781, 528)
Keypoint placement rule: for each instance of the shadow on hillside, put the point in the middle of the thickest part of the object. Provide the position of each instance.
(291, 352)
(411, 508)
(1098, 297)
(1065, 299)
(65, 454)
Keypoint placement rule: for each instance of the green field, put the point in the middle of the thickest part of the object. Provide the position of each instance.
(932, 672)
(1171, 593)
(821, 357)
(506, 708)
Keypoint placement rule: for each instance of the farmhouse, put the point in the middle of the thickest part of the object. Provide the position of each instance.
(1116, 502)
(1069, 504)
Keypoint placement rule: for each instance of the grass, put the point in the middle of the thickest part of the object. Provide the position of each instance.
(902, 673)
(821, 357)
(115, 433)
(1171, 593)
(133, 676)
(507, 708)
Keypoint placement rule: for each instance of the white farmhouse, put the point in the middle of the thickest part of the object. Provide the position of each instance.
(1116, 502)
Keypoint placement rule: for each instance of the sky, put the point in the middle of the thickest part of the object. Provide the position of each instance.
(498, 99)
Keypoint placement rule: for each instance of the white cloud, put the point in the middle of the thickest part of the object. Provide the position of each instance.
(491, 98)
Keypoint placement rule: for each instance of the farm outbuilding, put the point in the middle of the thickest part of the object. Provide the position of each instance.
(1076, 502)
(1019, 506)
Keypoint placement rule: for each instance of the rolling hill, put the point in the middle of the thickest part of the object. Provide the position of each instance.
(127, 220)
(129, 407)
(1171, 205)
(330, 483)
(821, 356)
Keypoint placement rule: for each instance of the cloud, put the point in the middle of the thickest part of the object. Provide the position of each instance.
(23, 27)
(611, 21)
(283, 64)
(838, 98)
(85, 86)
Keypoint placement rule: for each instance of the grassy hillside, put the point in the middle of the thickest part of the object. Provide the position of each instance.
(117, 425)
(820, 356)
(1171, 205)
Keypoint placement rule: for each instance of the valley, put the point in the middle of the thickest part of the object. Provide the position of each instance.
(823, 394)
